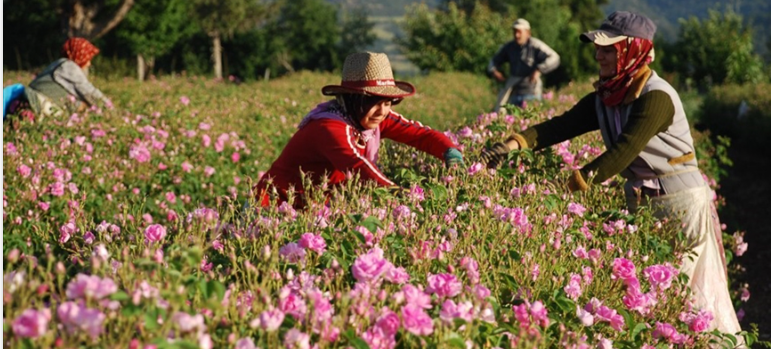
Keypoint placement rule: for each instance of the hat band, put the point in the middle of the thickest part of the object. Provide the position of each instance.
(368, 83)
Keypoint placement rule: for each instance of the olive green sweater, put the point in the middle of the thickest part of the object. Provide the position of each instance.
(651, 113)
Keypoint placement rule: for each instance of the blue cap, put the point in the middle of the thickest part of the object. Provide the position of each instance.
(619, 26)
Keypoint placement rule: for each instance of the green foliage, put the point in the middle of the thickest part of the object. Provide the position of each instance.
(227, 17)
(464, 35)
(703, 49)
(152, 28)
(453, 40)
(308, 35)
(356, 33)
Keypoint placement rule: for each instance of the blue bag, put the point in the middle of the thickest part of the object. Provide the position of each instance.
(10, 94)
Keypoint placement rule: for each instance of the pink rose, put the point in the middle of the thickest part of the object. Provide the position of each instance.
(660, 276)
(24, 170)
(271, 319)
(416, 321)
(444, 285)
(576, 209)
(140, 153)
(623, 269)
(474, 168)
(701, 322)
(416, 297)
(292, 252)
(370, 266)
(56, 189)
(292, 303)
(388, 323)
(87, 286)
(296, 339)
(573, 288)
(245, 343)
(664, 330)
(31, 323)
(154, 233)
(313, 242)
(396, 275)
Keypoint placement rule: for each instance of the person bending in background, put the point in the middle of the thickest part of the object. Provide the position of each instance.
(648, 141)
(342, 136)
(63, 85)
(528, 58)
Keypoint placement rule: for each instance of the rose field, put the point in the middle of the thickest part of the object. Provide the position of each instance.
(135, 227)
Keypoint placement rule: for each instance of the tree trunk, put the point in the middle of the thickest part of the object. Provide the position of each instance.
(217, 54)
(81, 19)
(140, 67)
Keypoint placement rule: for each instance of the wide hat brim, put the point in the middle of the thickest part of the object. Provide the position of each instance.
(399, 89)
(602, 37)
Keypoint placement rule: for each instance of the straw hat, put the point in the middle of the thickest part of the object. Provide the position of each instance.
(369, 73)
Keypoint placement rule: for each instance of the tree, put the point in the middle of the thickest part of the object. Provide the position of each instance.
(702, 50)
(224, 18)
(308, 35)
(152, 29)
(356, 33)
(558, 23)
(87, 19)
(453, 40)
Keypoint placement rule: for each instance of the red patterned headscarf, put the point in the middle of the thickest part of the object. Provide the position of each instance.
(79, 50)
(632, 54)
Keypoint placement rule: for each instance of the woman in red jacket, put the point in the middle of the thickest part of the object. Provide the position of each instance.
(341, 137)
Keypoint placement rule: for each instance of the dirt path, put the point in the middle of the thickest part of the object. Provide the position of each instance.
(748, 195)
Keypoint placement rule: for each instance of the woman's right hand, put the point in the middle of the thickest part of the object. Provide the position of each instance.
(495, 155)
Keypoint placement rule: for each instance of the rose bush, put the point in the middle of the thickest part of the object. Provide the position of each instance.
(136, 227)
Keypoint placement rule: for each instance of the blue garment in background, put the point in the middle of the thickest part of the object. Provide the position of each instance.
(10, 94)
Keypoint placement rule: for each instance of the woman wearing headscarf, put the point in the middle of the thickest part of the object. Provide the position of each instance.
(63, 85)
(648, 142)
(341, 137)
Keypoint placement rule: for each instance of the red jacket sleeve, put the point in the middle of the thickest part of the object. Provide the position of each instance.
(414, 134)
(337, 145)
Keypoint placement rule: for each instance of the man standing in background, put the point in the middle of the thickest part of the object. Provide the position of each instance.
(528, 58)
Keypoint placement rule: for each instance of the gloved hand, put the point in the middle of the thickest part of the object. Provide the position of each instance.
(453, 156)
(495, 155)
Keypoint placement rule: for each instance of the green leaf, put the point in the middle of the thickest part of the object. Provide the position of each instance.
(438, 192)
(119, 296)
(217, 288)
(151, 320)
(358, 343)
(130, 310)
(372, 223)
(455, 340)
(354, 340)
(637, 329)
(514, 255)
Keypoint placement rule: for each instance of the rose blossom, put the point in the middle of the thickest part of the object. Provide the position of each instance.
(444, 285)
(154, 233)
(370, 266)
(313, 242)
(416, 321)
(31, 323)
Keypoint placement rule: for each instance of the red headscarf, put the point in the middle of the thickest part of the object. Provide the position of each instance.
(631, 55)
(79, 50)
